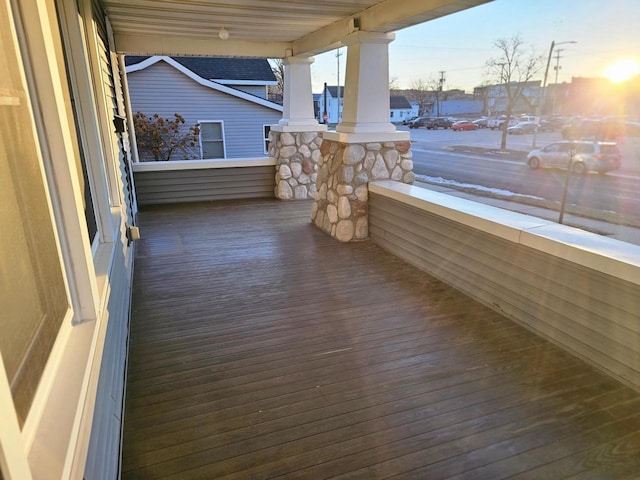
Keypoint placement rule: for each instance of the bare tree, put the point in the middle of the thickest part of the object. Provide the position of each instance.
(512, 69)
(276, 91)
(420, 92)
(393, 86)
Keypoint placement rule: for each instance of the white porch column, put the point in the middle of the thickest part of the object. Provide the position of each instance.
(365, 115)
(297, 115)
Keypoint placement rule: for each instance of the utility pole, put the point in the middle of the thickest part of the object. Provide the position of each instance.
(325, 116)
(544, 84)
(555, 87)
(440, 88)
(338, 55)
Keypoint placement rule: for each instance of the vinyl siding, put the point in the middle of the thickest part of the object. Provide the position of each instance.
(590, 313)
(103, 457)
(257, 90)
(162, 89)
(104, 446)
(176, 186)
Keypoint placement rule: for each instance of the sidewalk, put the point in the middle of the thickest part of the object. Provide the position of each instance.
(629, 234)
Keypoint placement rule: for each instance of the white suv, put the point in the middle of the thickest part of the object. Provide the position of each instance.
(598, 157)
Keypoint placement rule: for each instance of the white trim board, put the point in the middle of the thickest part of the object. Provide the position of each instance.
(613, 257)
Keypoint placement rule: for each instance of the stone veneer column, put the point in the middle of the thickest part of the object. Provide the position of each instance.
(295, 141)
(297, 154)
(344, 170)
(365, 145)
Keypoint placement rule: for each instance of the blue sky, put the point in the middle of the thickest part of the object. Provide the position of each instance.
(607, 31)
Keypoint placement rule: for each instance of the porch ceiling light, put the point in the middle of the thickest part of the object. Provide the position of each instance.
(223, 33)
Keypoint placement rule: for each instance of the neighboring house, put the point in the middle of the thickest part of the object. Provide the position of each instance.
(400, 109)
(226, 96)
(328, 104)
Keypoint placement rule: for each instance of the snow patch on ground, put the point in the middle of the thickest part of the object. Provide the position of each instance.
(471, 186)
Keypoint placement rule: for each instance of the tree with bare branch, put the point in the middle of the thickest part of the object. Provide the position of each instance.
(422, 93)
(276, 92)
(515, 65)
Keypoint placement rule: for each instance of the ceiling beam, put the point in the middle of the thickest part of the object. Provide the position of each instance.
(174, 45)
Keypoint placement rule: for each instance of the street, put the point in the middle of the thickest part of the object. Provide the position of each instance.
(614, 192)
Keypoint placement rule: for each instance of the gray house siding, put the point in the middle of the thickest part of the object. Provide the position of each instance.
(176, 186)
(162, 89)
(257, 90)
(588, 312)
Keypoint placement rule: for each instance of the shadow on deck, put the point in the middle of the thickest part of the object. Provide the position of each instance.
(260, 347)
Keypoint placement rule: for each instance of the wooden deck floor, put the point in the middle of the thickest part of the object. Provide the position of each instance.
(262, 348)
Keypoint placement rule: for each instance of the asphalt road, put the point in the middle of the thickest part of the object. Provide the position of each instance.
(613, 192)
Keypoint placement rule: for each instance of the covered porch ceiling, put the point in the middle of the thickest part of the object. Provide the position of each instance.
(261, 28)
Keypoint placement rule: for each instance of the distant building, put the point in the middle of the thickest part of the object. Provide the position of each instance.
(457, 107)
(400, 109)
(333, 97)
(495, 98)
(330, 105)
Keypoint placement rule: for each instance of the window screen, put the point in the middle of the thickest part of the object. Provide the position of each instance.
(212, 140)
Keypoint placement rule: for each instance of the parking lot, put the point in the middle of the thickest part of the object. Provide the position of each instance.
(423, 138)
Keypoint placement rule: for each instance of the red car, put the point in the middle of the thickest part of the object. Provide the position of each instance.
(464, 125)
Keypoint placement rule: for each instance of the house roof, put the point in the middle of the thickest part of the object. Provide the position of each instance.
(396, 101)
(399, 101)
(214, 85)
(222, 69)
(333, 90)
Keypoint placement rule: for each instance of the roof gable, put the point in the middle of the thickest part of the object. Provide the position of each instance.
(204, 82)
(222, 69)
(399, 101)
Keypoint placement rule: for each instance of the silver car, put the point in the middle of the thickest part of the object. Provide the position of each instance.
(580, 157)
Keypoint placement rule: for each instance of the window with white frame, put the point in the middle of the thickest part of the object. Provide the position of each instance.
(266, 129)
(32, 284)
(212, 143)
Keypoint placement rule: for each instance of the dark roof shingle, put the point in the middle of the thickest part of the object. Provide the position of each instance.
(399, 101)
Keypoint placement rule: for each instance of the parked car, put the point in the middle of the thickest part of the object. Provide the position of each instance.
(418, 122)
(463, 125)
(600, 157)
(498, 122)
(521, 128)
(407, 121)
(481, 122)
(438, 122)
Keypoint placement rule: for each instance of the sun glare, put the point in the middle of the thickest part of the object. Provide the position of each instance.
(622, 70)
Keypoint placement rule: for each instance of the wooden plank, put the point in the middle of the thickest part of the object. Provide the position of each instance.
(261, 347)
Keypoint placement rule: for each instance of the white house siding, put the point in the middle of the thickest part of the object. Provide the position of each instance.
(104, 447)
(162, 89)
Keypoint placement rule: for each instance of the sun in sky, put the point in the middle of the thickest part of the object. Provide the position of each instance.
(622, 70)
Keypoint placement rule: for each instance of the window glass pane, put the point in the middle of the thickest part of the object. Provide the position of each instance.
(32, 290)
(211, 131)
(267, 129)
(212, 150)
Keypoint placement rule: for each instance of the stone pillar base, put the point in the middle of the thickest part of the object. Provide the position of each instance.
(344, 170)
(297, 154)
